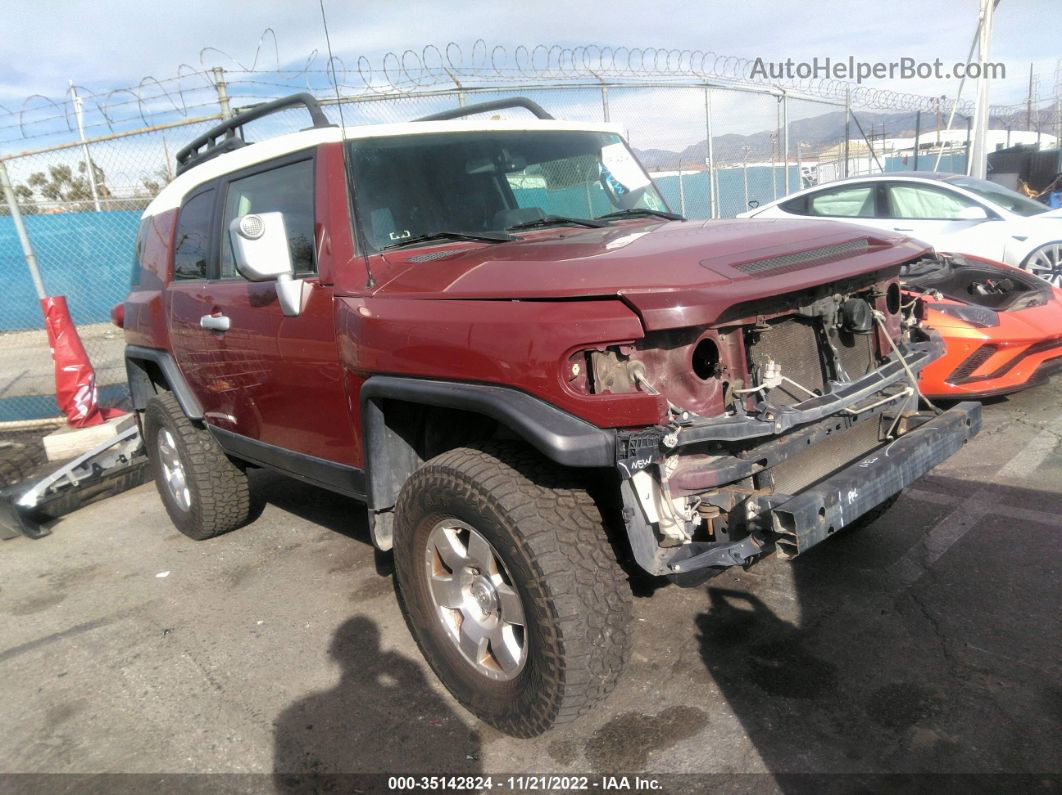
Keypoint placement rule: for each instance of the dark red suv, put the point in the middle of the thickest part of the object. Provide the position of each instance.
(537, 378)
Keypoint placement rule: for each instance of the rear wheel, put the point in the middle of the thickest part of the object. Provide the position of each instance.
(205, 494)
(1046, 262)
(510, 586)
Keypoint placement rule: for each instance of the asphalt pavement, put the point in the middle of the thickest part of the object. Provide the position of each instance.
(928, 642)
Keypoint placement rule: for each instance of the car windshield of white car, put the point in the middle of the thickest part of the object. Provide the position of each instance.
(1005, 197)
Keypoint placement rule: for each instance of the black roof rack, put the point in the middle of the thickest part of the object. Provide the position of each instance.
(190, 155)
(484, 107)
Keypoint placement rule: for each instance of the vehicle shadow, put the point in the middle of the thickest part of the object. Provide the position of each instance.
(884, 676)
(381, 718)
(335, 512)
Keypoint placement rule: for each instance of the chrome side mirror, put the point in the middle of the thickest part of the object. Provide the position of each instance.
(260, 249)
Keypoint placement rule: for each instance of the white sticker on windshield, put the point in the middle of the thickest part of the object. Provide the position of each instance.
(623, 167)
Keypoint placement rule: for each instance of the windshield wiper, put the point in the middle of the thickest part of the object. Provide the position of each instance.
(557, 220)
(482, 237)
(642, 211)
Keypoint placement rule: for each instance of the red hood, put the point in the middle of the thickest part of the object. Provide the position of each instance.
(677, 273)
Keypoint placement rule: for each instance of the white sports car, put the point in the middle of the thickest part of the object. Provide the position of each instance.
(952, 213)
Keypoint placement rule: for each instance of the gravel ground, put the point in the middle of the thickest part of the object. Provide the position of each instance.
(928, 642)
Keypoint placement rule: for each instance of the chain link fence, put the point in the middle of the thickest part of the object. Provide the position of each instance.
(713, 151)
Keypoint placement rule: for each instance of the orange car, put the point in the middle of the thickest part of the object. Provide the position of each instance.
(1002, 326)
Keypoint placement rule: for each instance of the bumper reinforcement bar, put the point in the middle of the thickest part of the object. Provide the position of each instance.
(802, 521)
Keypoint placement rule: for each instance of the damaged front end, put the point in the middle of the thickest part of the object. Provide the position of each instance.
(784, 425)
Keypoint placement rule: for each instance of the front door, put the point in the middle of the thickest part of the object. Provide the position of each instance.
(935, 215)
(262, 375)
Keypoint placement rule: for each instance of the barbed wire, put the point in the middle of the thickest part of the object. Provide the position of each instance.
(431, 67)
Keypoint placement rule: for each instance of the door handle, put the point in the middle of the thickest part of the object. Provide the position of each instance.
(214, 322)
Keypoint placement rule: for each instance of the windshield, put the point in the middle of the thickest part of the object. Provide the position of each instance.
(409, 186)
(1005, 197)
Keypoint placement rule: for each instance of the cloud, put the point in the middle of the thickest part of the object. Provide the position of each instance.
(114, 43)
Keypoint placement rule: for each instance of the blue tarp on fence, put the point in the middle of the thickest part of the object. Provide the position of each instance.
(85, 256)
(88, 256)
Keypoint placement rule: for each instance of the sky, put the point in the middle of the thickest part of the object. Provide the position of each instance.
(113, 43)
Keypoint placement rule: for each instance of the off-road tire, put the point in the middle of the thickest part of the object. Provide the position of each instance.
(550, 535)
(17, 463)
(220, 494)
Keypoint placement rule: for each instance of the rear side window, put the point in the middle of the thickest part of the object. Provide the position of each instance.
(191, 249)
(847, 202)
(922, 201)
(287, 189)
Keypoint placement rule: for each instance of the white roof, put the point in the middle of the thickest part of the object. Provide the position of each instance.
(170, 197)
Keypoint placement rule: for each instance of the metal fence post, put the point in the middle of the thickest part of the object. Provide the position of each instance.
(918, 134)
(20, 230)
(847, 123)
(776, 143)
(90, 169)
(682, 193)
(713, 185)
(745, 173)
(223, 92)
(604, 103)
(785, 136)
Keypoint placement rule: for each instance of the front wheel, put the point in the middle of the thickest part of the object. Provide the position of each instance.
(510, 586)
(1046, 262)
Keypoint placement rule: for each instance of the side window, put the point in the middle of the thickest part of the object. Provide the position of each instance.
(919, 201)
(849, 201)
(192, 239)
(287, 189)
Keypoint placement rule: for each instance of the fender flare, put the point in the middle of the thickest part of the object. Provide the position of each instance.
(558, 435)
(141, 389)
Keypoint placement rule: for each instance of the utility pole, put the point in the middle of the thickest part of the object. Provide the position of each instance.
(90, 169)
(1028, 102)
(978, 150)
(223, 92)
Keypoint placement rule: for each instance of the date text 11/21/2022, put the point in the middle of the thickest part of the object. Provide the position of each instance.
(523, 783)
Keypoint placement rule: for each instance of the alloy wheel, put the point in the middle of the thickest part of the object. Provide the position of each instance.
(475, 600)
(173, 470)
(1046, 262)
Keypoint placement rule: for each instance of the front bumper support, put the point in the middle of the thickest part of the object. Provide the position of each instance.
(740, 427)
(802, 521)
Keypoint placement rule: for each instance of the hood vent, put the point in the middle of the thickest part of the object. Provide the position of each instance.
(438, 255)
(804, 259)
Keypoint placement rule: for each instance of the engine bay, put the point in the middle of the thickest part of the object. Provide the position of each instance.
(981, 284)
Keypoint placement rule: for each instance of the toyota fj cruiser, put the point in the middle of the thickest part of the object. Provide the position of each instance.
(496, 335)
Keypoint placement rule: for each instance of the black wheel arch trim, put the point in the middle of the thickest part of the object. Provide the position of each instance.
(140, 385)
(558, 435)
